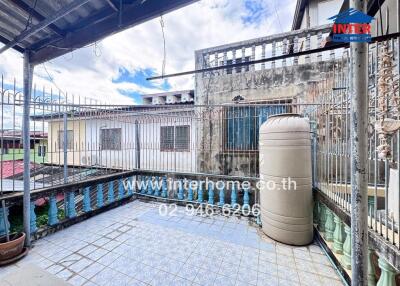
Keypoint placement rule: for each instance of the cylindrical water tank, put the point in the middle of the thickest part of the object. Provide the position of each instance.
(285, 179)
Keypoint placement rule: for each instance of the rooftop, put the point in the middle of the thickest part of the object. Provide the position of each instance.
(135, 245)
(49, 29)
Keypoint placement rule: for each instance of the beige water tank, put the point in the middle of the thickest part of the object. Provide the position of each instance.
(285, 153)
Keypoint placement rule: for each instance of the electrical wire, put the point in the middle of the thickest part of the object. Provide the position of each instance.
(165, 50)
(277, 16)
(52, 79)
(29, 21)
(97, 50)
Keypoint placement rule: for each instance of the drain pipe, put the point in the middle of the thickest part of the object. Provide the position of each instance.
(359, 155)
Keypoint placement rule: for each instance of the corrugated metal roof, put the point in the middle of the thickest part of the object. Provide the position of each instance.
(83, 25)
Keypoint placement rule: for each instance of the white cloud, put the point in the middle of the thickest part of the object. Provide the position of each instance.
(203, 24)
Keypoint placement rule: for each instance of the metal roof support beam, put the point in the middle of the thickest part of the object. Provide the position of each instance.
(18, 48)
(45, 23)
(26, 8)
(359, 156)
(28, 75)
(110, 2)
(95, 31)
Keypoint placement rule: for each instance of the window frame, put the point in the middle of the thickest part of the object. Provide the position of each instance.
(61, 146)
(110, 148)
(174, 139)
(188, 138)
(162, 146)
(41, 152)
(256, 118)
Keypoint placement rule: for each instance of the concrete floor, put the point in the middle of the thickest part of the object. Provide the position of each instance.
(135, 245)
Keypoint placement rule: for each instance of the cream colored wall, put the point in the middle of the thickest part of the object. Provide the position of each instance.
(55, 153)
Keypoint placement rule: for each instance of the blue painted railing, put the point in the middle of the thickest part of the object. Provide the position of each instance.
(158, 187)
(113, 190)
(99, 195)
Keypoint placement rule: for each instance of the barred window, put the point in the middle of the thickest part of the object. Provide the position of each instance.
(70, 140)
(167, 138)
(41, 151)
(110, 139)
(229, 70)
(182, 138)
(242, 124)
(175, 138)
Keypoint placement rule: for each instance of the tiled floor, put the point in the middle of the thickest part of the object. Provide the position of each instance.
(136, 245)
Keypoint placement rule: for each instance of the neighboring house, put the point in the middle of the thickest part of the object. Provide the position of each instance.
(312, 13)
(277, 83)
(126, 138)
(172, 97)
(11, 142)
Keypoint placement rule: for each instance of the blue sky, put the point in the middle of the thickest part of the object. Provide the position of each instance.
(255, 12)
(117, 70)
(139, 77)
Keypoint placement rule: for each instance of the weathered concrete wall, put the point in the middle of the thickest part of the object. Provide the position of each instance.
(261, 85)
(281, 83)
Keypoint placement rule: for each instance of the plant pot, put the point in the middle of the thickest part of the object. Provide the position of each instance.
(12, 248)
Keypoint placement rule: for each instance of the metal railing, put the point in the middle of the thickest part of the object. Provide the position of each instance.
(74, 139)
(79, 148)
(332, 139)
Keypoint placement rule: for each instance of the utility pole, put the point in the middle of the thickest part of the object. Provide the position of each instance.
(359, 155)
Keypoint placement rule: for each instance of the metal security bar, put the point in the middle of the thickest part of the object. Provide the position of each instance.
(73, 139)
(82, 152)
(332, 131)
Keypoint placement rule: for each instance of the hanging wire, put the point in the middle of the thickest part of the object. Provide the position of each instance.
(52, 80)
(29, 21)
(120, 14)
(165, 50)
(277, 16)
(97, 50)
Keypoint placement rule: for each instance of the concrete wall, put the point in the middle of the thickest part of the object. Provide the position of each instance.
(55, 152)
(284, 83)
(269, 84)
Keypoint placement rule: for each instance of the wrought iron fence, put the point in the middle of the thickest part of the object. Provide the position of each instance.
(333, 136)
(74, 139)
(78, 146)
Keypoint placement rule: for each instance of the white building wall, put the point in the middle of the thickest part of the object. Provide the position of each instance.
(94, 156)
(153, 158)
(87, 151)
(319, 11)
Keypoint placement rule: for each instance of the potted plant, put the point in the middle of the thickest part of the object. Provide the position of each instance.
(11, 245)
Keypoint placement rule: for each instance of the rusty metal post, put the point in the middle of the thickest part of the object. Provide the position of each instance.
(28, 74)
(359, 157)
